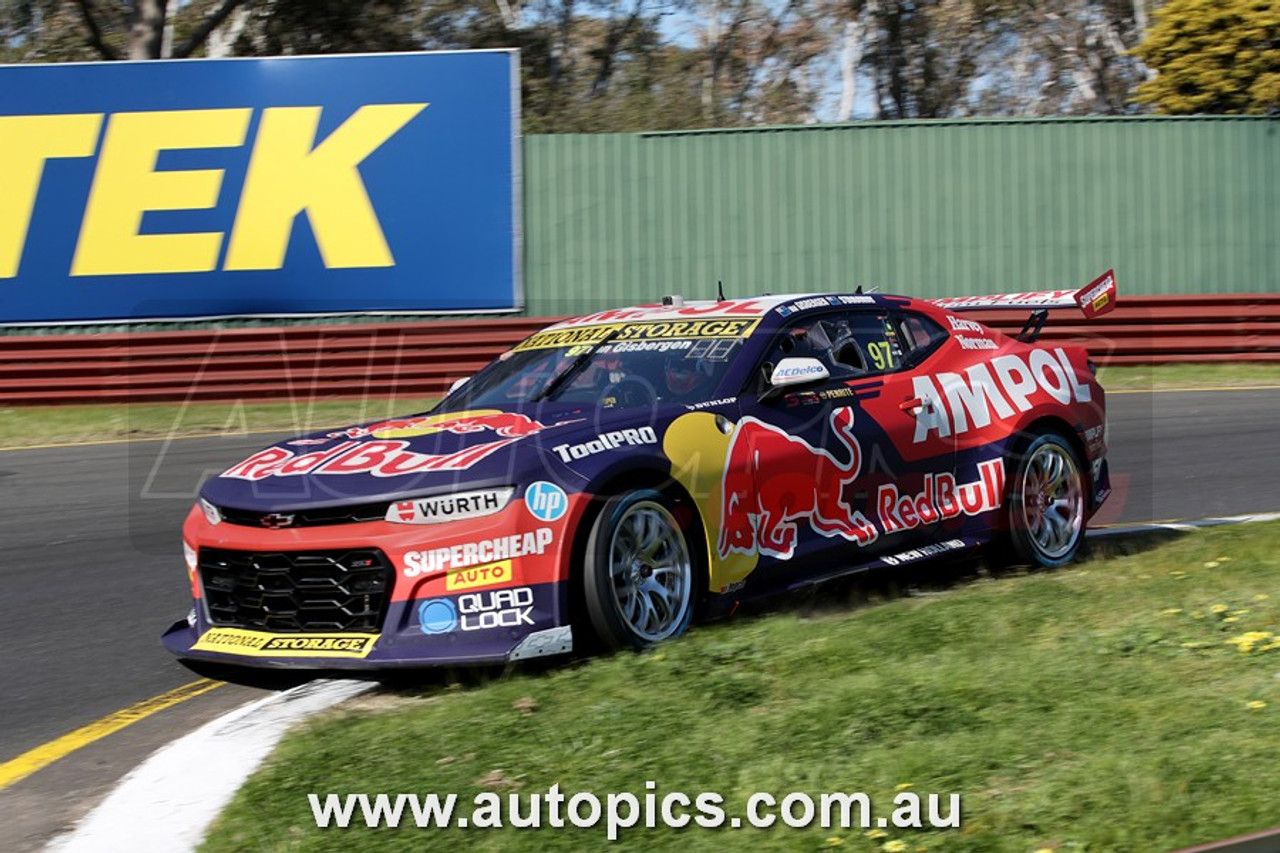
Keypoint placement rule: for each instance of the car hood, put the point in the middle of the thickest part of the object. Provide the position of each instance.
(416, 455)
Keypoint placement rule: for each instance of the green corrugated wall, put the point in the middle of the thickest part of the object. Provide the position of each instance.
(1176, 205)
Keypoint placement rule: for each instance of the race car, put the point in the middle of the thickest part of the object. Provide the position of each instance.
(617, 475)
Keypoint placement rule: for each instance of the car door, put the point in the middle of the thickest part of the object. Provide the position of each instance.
(832, 488)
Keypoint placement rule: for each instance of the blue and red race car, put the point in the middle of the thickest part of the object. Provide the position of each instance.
(617, 475)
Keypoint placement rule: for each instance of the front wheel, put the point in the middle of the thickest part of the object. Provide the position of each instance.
(638, 578)
(1046, 502)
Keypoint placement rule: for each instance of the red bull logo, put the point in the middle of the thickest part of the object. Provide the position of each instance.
(375, 458)
(774, 480)
(503, 424)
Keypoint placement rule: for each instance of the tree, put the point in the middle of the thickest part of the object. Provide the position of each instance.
(1213, 56)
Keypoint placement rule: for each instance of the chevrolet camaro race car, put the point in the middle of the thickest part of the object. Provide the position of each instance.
(615, 475)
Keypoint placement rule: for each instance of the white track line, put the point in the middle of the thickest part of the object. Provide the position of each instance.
(1183, 525)
(167, 802)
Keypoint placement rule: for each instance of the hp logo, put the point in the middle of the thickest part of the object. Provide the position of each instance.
(546, 501)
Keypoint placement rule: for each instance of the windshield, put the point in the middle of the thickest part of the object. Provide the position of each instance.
(610, 372)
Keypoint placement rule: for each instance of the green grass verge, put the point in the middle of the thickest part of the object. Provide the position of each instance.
(1100, 708)
(1169, 376)
(26, 427)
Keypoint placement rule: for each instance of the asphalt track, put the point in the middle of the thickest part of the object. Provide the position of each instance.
(92, 566)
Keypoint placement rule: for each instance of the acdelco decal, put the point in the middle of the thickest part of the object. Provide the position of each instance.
(290, 172)
(375, 458)
(1004, 384)
(473, 553)
(237, 641)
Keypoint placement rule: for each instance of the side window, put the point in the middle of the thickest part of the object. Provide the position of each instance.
(919, 335)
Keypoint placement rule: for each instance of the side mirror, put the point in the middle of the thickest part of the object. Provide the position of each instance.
(791, 372)
(798, 371)
(456, 385)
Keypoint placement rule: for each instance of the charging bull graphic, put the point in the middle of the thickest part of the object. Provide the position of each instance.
(773, 480)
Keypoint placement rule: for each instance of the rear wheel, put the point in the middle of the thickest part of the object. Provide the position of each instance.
(1047, 502)
(638, 578)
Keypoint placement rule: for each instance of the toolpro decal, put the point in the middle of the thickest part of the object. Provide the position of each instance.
(546, 501)
(1005, 384)
(606, 441)
(763, 501)
(473, 553)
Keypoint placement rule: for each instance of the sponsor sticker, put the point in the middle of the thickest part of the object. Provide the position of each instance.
(655, 330)
(477, 611)
(606, 441)
(453, 507)
(546, 501)
(476, 577)
(474, 553)
(260, 644)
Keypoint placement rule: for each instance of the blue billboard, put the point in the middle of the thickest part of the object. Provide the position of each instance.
(281, 186)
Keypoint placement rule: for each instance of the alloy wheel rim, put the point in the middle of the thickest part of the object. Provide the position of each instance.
(651, 571)
(1053, 501)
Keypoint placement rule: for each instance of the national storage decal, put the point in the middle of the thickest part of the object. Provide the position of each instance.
(272, 186)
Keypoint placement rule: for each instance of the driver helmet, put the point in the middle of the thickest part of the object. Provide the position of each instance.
(685, 375)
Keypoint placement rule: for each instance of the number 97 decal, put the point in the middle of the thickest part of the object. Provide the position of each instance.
(881, 355)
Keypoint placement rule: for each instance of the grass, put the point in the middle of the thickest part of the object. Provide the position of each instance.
(26, 427)
(1096, 708)
(1171, 376)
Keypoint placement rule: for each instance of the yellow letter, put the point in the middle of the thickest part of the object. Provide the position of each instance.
(25, 143)
(288, 176)
(127, 185)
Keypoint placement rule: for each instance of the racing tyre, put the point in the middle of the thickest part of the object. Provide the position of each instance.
(1047, 503)
(638, 577)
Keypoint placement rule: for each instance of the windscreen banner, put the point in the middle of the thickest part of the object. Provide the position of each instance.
(259, 187)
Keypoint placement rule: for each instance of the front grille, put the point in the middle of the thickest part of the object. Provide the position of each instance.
(298, 591)
(308, 517)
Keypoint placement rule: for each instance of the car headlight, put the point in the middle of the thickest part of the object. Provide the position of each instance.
(189, 554)
(211, 513)
(450, 507)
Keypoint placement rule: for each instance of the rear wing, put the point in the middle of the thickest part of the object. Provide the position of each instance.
(1094, 299)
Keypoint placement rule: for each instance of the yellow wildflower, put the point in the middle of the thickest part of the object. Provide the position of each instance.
(1212, 564)
(1232, 619)
(1219, 608)
(902, 786)
(1172, 611)
(834, 841)
(875, 833)
(1262, 596)
(894, 846)
(1257, 705)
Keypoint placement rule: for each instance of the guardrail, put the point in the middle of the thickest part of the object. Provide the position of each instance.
(423, 359)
